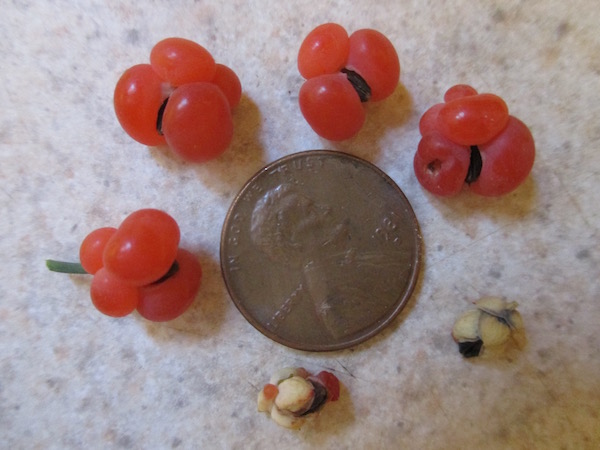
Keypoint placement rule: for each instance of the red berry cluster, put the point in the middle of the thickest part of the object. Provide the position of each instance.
(472, 139)
(342, 72)
(140, 266)
(182, 99)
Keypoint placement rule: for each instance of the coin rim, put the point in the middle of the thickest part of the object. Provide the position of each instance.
(399, 305)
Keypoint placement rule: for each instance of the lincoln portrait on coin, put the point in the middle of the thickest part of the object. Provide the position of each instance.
(335, 272)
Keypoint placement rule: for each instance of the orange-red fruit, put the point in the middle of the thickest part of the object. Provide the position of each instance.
(429, 120)
(197, 122)
(168, 299)
(143, 248)
(441, 165)
(229, 83)
(374, 58)
(474, 119)
(459, 91)
(111, 296)
(270, 391)
(138, 96)
(180, 61)
(507, 160)
(331, 106)
(92, 248)
(324, 50)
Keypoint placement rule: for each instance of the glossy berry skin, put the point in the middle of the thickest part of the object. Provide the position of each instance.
(429, 120)
(92, 248)
(143, 248)
(441, 165)
(507, 160)
(229, 83)
(168, 299)
(335, 64)
(180, 61)
(197, 122)
(374, 58)
(150, 98)
(459, 91)
(138, 96)
(474, 119)
(324, 51)
(111, 296)
(471, 138)
(332, 107)
(331, 383)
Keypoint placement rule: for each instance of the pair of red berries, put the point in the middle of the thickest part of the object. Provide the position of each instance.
(472, 139)
(140, 266)
(182, 99)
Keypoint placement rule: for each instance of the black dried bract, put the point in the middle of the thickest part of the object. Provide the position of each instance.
(470, 349)
(319, 398)
(475, 165)
(159, 117)
(172, 271)
(359, 84)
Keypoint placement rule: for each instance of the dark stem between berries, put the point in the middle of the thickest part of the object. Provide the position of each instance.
(475, 165)
(359, 84)
(159, 117)
(172, 271)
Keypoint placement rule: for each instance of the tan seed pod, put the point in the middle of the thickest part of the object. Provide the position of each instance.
(466, 327)
(493, 330)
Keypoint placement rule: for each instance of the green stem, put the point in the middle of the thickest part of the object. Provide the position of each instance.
(65, 267)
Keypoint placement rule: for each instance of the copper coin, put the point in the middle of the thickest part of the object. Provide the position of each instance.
(320, 250)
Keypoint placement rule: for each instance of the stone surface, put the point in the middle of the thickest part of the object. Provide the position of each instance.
(72, 378)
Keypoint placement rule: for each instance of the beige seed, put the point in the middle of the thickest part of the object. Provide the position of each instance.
(493, 331)
(466, 327)
(295, 394)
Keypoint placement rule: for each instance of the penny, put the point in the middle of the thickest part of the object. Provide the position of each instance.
(320, 250)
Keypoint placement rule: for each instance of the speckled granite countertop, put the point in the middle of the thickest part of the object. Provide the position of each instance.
(72, 378)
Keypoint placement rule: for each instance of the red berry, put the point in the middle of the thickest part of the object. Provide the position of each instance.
(181, 61)
(332, 107)
(138, 96)
(507, 160)
(331, 383)
(441, 165)
(168, 299)
(474, 119)
(374, 58)
(92, 247)
(324, 50)
(459, 91)
(143, 248)
(229, 83)
(429, 122)
(270, 391)
(197, 122)
(111, 296)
